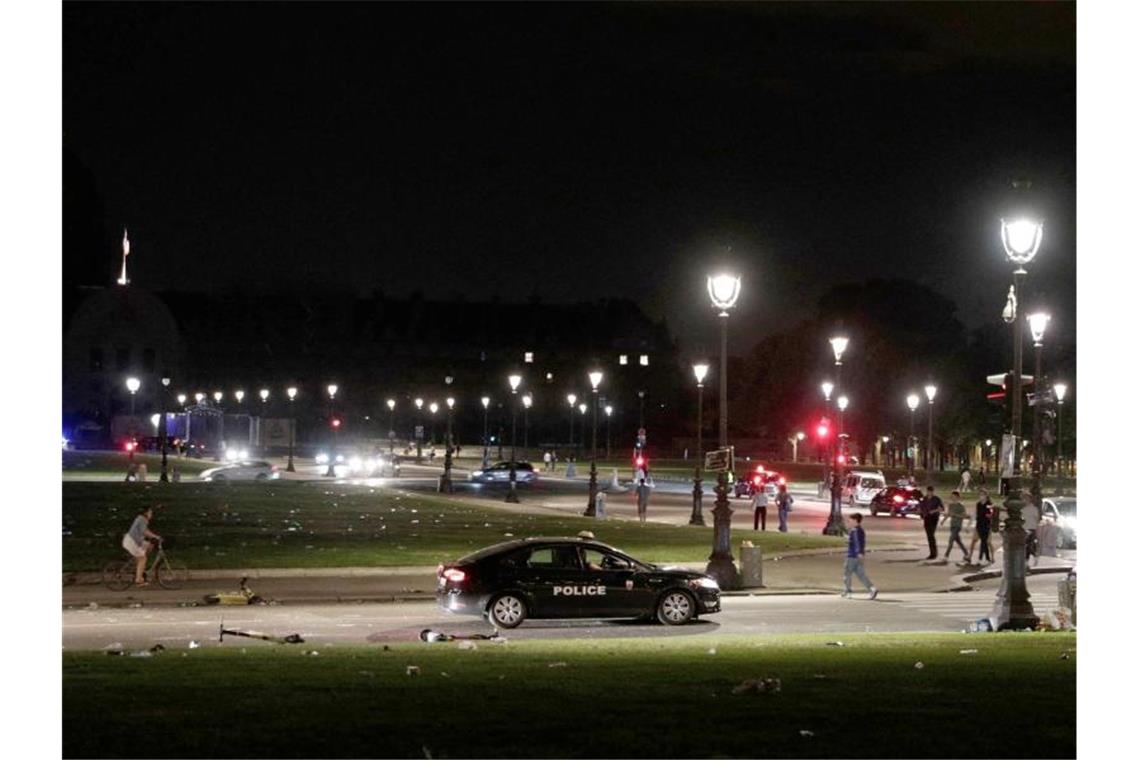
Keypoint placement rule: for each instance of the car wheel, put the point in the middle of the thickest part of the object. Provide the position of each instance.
(262, 476)
(506, 611)
(676, 608)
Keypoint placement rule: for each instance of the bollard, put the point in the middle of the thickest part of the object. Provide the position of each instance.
(141, 474)
(751, 569)
(600, 505)
(571, 470)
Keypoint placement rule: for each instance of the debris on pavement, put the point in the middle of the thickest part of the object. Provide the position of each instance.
(556, 665)
(836, 644)
(292, 638)
(967, 651)
(431, 637)
(413, 670)
(193, 645)
(243, 596)
(918, 665)
(806, 734)
(758, 686)
(158, 648)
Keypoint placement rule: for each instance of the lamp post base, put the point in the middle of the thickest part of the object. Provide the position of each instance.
(330, 472)
(512, 494)
(697, 518)
(445, 481)
(1012, 608)
(721, 565)
(289, 467)
(592, 501)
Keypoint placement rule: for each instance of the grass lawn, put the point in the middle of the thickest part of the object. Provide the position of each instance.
(656, 697)
(115, 463)
(291, 524)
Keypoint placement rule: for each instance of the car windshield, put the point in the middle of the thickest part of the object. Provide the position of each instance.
(870, 483)
(1067, 507)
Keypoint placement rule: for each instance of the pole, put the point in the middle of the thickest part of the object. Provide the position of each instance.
(1012, 608)
(163, 477)
(607, 436)
(697, 518)
(1060, 461)
(930, 444)
(571, 427)
(834, 526)
(292, 435)
(331, 471)
(724, 380)
(911, 446)
(392, 430)
(486, 441)
(1035, 487)
(512, 492)
(592, 500)
(445, 483)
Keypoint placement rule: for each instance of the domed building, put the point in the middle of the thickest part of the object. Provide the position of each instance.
(116, 333)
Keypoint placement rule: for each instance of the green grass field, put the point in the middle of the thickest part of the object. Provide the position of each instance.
(1014, 697)
(115, 463)
(291, 524)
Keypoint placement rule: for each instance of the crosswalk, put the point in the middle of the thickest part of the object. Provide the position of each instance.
(971, 605)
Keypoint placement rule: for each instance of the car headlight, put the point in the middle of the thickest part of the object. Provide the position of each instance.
(477, 474)
(322, 458)
(354, 464)
(706, 583)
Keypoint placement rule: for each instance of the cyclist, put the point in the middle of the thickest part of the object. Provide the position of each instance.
(136, 543)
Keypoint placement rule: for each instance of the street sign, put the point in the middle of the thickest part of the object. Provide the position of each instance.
(719, 460)
(1044, 398)
(419, 432)
(641, 437)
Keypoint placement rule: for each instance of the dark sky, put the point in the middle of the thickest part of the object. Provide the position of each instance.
(574, 151)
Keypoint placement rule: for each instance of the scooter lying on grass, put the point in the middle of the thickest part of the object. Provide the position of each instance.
(292, 638)
(243, 596)
(432, 637)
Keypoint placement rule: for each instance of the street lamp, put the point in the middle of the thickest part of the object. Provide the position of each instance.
(239, 395)
(291, 392)
(486, 401)
(133, 386)
(592, 500)
(609, 410)
(700, 371)
(1038, 321)
(391, 426)
(931, 391)
(513, 381)
(795, 441)
(182, 399)
(419, 432)
(827, 387)
(433, 407)
(162, 434)
(446, 482)
(199, 397)
(571, 399)
(218, 396)
(834, 526)
(1059, 391)
(912, 403)
(724, 290)
(332, 389)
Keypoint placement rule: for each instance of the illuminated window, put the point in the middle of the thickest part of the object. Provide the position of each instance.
(644, 360)
(623, 360)
(528, 357)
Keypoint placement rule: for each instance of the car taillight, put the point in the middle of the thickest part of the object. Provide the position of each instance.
(756, 480)
(898, 499)
(455, 575)
(783, 481)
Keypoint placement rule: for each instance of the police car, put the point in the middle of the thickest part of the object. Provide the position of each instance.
(570, 578)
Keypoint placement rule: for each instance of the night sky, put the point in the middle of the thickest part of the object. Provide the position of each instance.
(577, 151)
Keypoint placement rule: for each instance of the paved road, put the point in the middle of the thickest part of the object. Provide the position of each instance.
(322, 624)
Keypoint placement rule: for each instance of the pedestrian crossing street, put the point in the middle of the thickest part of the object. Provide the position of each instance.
(968, 606)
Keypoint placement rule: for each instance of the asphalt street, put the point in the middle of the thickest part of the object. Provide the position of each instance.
(330, 624)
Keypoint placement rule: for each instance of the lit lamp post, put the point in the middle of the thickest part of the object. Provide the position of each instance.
(1059, 391)
(609, 410)
(723, 290)
(391, 426)
(486, 401)
(133, 386)
(163, 477)
(912, 445)
(218, 396)
(989, 448)
(931, 391)
(885, 451)
(795, 441)
(700, 371)
(446, 482)
(835, 525)
(592, 501)
(433, 407)
(1012, 608)
(1038, 321)
(514, 381)
(527, 400)
(419, 434)
(331, 472)
(199, 398)
(239, 395)
(291, 392)
(571, 399)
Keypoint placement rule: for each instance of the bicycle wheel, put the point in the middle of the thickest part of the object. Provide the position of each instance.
(171, 575)
(118, 576)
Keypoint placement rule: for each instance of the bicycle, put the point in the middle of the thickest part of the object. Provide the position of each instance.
(119, 575)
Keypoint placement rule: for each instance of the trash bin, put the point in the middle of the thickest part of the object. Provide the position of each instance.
(571, 470)
(751, 572)
(140, 474)
(1067, 596)
(600, 505)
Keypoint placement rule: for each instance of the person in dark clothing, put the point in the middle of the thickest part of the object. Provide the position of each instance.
(856, 549)
(983, 511)
(931, 510)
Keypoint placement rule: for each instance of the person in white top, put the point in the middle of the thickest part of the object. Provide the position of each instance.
(1031, 515)
(760, 510)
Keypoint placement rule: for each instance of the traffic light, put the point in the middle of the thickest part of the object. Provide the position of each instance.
(336, 422)
(841, 459)
(823, 430)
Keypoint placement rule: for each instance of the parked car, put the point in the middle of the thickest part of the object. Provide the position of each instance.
(896, 501)
(749, 483)
(500, 472)
(1063, 512)
(861, 486)
(249, 469)
(570, 578)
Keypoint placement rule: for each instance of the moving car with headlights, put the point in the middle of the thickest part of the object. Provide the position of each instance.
(860, 487)
(249, 469)
(896, 501)
(749, 483)
(1063, 513)
(570, 578)
(500, 472)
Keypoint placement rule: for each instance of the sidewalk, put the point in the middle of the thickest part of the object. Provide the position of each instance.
(818, 571)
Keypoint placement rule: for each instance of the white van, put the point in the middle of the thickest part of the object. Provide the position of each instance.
(860, 486)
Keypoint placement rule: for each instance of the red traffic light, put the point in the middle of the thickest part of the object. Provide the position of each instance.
(841, 459)
(336, 423)
(823, 430)
(130, 446)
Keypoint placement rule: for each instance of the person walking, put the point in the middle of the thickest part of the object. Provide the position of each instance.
(956, 513)
(760, 510)
(931, 509)
(1032, 517)
(642, 499)
(784, 502)
(982, 515)
(853, 564)
(546, 461)
(964, 483)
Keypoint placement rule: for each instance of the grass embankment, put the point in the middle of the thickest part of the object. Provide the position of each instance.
(114, 463)
(616, 698)
(290, 524)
